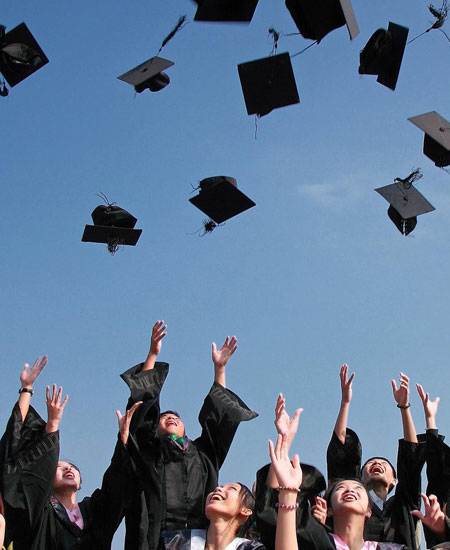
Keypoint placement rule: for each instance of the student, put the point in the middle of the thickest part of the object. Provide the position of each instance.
(391, 519)
(39, 491)
(179, 472)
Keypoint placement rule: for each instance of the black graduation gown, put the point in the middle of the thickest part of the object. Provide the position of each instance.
(394, 523)
(176, 481)
(28, 458)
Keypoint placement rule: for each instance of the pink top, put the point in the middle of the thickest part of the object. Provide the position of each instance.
(75, 515)
(340, 544)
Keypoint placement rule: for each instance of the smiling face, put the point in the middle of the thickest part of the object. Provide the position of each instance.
(170, 423)
(66, 477)
(378, 471)
(228, 501)
(349, 496)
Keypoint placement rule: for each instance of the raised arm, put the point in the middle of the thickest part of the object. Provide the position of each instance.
(401, 396)
(27, 378)
(158, 333)
(429, 407)
(221, 357)
(340, 428)
(284, 425)
(289, 476)
(55, 408)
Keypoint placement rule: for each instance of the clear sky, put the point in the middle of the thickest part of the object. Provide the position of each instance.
(315, 275)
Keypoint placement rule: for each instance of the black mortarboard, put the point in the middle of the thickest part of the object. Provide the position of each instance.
(316, 18)
(406, 203)
(220, 199)
(268, 84)
(20, 54)
(148, 75)
(383, 54)
(112, 225)
(225, 10)
(436, 143)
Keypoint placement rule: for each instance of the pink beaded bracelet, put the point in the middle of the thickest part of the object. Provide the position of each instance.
(287, 506)
(292, 489)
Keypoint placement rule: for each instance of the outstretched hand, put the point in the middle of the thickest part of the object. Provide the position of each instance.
(29, 375)
(158, 333)
(434, 517)
(283, 423)
(430, 407)
(55, 408)
(346, 384)
(125, 421)
(288, 474)
(319, 510)
(401, 393)
(221, 356)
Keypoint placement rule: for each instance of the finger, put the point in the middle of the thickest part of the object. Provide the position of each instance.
(321, 502)
(350, 380)
(278, 446)
(53, 393)
(119, 416)
(130, 412)
(436, 401)
(404, 377)
(296, 415)
(420, 391)
(58, 397)
(214, 347)
(271, 452)
(36, 362)
(394, 385)
(227, 340)
(63, 404)
(296, 462)
(418, 514)
(47, 395)
(426, 502)
(433, 503)
(42, 363)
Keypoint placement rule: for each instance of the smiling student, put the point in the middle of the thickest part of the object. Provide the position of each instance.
(391, 519)
(177, 473)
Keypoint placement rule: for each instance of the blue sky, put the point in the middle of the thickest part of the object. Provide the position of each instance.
(315, 275)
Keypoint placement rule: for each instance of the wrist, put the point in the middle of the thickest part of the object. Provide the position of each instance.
(26, 389)
(287, 497)
(404, 405)
(51, 427)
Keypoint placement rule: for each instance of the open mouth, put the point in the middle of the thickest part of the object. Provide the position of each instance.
(69, 475)
(350, 497)
(377, 469)
(216, 498)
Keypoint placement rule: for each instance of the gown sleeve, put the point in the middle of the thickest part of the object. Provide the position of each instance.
(219, 417)
(29, 458)
(344, 459)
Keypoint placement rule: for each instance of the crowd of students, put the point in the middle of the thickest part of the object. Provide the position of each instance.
(166, 485)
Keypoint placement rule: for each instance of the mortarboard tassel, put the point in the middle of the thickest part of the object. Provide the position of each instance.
(173, 32)
(441, 15)
(415, 175)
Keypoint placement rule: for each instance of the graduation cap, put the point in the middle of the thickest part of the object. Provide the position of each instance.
(406, 203)
(383, 54)
(225, 10)
(220, 198)
(268, 84)
(316, 18)
(112, 225)
(20, 54)
(148, 75)
(436, 143)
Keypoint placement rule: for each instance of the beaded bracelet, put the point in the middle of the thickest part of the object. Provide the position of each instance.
(292, 489)
(404, 406)
(287, 506)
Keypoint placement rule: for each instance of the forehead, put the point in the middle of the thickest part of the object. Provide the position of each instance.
(232, 486)
(63, 464)
(349, 484)
(173, 415)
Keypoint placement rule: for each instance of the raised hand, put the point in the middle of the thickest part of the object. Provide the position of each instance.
(29, 375)
(283, 423)
(124, 422)
(319, 510)
(434, 517)
(401, 393)
(55, 408)
(346, 384)
(158, 333)
(288, 474)
(221, 356)
(430, 407)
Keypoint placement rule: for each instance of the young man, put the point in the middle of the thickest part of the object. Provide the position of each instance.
(178, 472)
(39, 492)
(391, 519)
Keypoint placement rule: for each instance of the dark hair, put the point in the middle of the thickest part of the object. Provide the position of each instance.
(248, 501)
(169, 412)
(332, 488)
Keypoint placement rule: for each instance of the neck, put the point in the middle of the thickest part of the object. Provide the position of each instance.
(66, 498)
(350, 530)
(380, 489)
(221, 532)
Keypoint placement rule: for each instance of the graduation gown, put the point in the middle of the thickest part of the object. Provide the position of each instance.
(37, 521)
(176, 480)
(394, 523)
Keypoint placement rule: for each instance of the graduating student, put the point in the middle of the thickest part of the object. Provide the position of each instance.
(39, 491)
(391, 519)
(179, 472)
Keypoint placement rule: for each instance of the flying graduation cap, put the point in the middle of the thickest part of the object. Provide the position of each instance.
(228, 11)
(383, 54)
(436, 142)
(149, 75)
(112, 225)
(220, 199)
(406, 203)
(316, 18)
(268, 84)
(20, 55)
